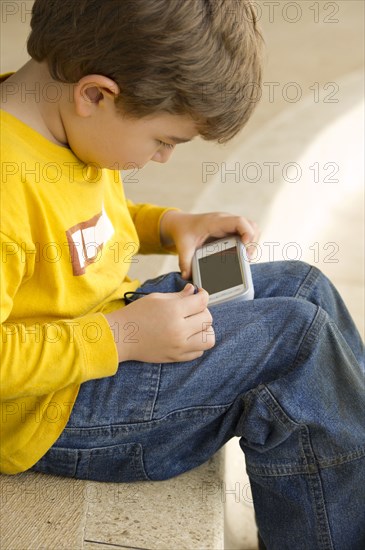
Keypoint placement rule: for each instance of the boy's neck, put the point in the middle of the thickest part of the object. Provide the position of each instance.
(32, 96)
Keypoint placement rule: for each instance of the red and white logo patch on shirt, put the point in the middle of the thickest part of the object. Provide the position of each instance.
(86, 241)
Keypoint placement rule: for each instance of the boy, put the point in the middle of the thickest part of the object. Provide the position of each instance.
(97, 388)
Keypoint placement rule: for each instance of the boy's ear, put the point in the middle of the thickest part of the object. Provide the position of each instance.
(91, 90)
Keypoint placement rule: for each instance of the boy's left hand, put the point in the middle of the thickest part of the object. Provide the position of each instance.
(190, 231)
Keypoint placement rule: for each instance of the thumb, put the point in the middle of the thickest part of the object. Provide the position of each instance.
(185, 259)
(188, 289)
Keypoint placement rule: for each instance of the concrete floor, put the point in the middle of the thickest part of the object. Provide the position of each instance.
(315, 56)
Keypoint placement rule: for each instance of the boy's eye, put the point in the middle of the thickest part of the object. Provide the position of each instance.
(166, 145)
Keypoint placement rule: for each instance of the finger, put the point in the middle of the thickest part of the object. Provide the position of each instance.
(199, 323)
(203, 340)
(251, 247)
(185, 272)
(186, 357)
(257, 231)
(230, 224)
(194, 303)
(186, 254)
(246, 230)
(236, 225)
(197, 345)
(188, 290)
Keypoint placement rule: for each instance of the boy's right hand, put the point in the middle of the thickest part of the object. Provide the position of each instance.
(164, 327)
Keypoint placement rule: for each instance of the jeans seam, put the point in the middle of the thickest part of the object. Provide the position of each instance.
(308, 282)
(156, 392)
(343, 458)
(316, 490)
(129, 427)
(310, 337)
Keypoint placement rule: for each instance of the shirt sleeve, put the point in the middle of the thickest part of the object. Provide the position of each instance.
(40, 356)
(147, 220)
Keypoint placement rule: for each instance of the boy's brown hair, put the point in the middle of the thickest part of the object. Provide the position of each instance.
(196, 57)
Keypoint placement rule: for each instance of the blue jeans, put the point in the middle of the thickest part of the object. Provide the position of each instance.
(286, 376)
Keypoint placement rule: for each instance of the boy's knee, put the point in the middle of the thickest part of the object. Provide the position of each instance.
(298, 269)
(283, 278)
(302, 314)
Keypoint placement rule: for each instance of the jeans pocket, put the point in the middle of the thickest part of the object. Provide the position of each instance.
(117, 463)
(59, 462)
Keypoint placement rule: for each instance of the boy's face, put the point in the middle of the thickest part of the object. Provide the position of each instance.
(131, 143)
(98, 133)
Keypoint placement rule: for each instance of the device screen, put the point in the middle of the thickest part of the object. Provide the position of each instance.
(220, 271)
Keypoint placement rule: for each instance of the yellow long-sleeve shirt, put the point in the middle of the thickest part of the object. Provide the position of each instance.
(68, 235)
